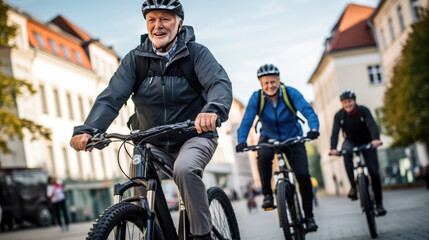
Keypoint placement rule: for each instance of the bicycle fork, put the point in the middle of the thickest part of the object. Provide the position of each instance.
(183, 227)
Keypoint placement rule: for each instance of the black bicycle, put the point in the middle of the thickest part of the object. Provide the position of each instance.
(364, 187)
(147, 216)
(288, 205)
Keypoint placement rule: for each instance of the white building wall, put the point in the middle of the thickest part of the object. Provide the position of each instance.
(390, 49)
(42, 68)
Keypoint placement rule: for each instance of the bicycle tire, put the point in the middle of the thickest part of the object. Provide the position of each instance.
(289, 220)
(222, 214)
(368, 207)
(122, 214)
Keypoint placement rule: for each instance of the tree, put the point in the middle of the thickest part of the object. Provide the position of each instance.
(10, 88)
(406, 103)
(314, 163)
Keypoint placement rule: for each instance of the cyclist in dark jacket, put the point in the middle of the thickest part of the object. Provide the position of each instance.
(359, 128)
(278, 122)
(165, 96)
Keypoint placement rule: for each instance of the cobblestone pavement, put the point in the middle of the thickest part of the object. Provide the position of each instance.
(337, 217)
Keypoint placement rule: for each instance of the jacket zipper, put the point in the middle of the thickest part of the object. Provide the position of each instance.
(277, 123)
(165, 107)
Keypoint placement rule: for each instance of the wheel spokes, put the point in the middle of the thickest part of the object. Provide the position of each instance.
(219, 220)
(126, 230)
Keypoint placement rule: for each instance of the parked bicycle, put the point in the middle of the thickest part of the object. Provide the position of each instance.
(364, 187)
(288, 205)
(147, 216)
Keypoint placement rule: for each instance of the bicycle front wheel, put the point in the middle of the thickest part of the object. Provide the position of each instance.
(123, 221)
(224, 222)
(368, 206)
(289, 218)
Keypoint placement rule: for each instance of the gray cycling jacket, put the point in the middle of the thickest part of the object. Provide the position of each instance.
(164, 97)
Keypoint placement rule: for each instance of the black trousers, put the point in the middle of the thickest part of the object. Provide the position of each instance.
(61, 206)
(297, 157)
(371, 161)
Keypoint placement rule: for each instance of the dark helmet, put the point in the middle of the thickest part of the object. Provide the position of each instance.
(170, 5)
(268, 69)
(348, 94)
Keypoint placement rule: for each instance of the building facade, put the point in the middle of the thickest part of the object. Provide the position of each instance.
(391, 23)
(350, 62)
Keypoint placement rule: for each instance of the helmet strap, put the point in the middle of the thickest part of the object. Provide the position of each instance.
(275, 94)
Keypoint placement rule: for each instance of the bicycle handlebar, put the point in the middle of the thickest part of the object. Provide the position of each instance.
(354, 150)
(102, 140)
(277, 144)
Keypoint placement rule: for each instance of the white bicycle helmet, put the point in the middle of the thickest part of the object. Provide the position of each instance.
(170, 5)
(268, 69)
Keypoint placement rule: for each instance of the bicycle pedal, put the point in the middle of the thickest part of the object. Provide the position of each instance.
(270, 208)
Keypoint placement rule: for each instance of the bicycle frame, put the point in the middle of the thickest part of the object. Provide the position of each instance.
(288, 175)
(143, 174)
(359, 168)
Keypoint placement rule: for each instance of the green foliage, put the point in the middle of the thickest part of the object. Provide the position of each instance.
(10, 88)
(6, 32)
(406, 103)
(314, 163)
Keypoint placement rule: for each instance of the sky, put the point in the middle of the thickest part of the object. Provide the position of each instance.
(242, 34)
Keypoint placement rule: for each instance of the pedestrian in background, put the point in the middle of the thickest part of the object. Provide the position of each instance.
(55, 192)
(250, 196)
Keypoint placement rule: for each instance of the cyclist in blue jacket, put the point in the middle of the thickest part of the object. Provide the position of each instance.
(280, 123)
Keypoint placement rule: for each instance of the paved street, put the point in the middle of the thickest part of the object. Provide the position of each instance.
(337, 217)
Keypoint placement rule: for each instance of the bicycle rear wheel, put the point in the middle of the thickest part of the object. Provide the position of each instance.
(288, 212)
(223, 217)
(122, 221)
(368, 205)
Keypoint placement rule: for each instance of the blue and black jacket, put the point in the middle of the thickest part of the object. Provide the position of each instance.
(278, 122)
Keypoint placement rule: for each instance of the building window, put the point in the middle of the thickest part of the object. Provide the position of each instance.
(53, 166)
(379, 119)
(65, 51)
(103, 165)
(392, 32)
(53, 46)
(82, 112)
(77, 56)
(415, 10)
(92, 164)
(70, 105)
(91, 102)
(66, 162)
(80, 165)
(57, 103)
(383, 38)
(375, 74)
(43, 99)
(39, 40)
(401, 18)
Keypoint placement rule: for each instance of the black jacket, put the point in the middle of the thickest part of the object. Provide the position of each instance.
(359, 128)
(164, 98)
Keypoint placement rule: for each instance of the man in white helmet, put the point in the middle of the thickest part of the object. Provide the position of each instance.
(171, 79)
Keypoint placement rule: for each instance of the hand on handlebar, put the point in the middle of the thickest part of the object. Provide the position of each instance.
(375, 143)
(79, 142)
(205, 122)
(240, 147)
(313, 134)
(333, 152)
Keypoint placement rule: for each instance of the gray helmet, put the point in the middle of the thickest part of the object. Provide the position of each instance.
(268, 69)
(170, 5)
(348, 94)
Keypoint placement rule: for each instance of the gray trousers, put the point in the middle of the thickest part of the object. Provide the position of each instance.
(189, 164)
